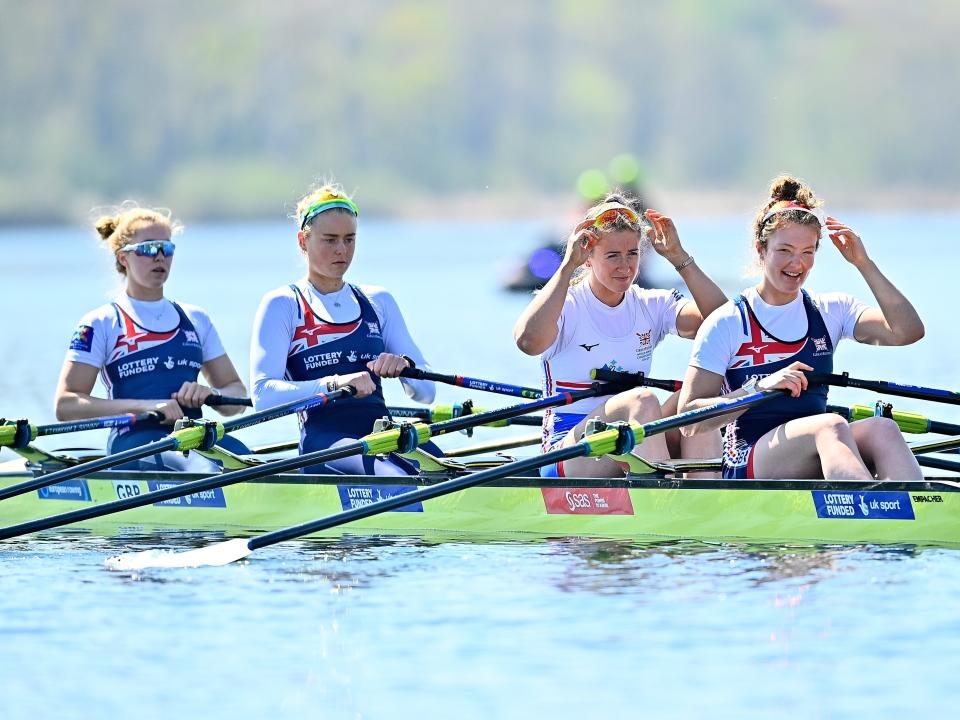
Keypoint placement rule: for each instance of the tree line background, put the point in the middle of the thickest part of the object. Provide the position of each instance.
(230, 109)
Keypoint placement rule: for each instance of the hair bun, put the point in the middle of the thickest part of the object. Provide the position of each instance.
(106, 226)
(786, 188)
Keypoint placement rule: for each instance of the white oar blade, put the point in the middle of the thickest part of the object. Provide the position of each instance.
(222, 553)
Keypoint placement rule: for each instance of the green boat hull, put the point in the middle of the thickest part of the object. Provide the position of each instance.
(814, 511)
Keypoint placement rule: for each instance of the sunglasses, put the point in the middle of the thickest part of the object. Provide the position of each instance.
(609, 213)
(151, 248)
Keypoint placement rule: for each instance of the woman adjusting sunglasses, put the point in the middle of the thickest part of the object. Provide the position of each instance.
(148, 351)
(591, 315)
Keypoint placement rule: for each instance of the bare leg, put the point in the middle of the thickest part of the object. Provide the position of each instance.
(810, 447)
(640, 406)
(700, 446)
(883, 449)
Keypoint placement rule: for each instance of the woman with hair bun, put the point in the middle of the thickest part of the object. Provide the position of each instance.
(739, 350)
(320, 333)
(595, 317)
(149, 351)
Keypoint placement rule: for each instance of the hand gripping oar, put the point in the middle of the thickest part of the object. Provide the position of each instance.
(887, 388)
(405, 438)
(616, 441)
(19, 433)
(472, 383)
(202, 434)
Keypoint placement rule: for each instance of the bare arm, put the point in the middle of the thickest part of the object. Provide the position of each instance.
(74, 402)
(701, 388)
(896, 321)
(536, 328)
(707, 296)
(223, 376)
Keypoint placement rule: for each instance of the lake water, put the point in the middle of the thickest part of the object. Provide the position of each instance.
(362, 628)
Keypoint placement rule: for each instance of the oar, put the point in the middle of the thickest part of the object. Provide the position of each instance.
(204, 434)
(888, 388)
(447, 412)
(907, 422)
(494, 446)
(401, 439)
(615, 441)
(631, 379)
(472, 383)
(18, 433)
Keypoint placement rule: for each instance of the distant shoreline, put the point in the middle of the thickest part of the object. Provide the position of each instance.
(485, 207)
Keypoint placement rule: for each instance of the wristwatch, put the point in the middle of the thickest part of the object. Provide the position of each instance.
(750, 385)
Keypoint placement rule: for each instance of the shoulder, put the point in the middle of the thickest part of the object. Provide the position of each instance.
(104, 314)
(195, 313)
(376, 293)
(728, 316)
(283, 296)
(658, 297)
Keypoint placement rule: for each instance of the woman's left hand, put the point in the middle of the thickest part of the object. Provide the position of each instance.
(192, 394)
(665, 239)
(388, 365)
(847, 242)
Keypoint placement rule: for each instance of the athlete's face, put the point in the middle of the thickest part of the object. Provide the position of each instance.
(614, 262)
(788, 260)
(329, 242)
(146, 275)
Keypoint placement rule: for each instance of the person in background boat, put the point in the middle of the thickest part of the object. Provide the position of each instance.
(739, 350)
(321, 333)
(149, 351)
(597, 317)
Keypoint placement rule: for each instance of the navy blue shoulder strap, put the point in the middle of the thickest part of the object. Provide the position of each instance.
(741, 304)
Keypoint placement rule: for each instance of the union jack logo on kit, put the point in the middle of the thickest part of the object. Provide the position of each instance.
(820, 344)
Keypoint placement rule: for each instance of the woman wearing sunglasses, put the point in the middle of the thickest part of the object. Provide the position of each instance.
(321, 333)
(591, 315)
(739, 350)
(148, 351)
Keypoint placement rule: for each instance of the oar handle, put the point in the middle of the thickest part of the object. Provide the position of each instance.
(638, 379)
(472, 383)
(215, 400)
(887, 388)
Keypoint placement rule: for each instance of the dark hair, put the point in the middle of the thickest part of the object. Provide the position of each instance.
(786, 188)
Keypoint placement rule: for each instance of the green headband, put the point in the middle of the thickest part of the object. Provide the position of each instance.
(328, 203)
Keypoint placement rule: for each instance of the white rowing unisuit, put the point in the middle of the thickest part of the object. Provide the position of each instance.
(155, 315)
(725, 332)
(594, 335)
(273, 331)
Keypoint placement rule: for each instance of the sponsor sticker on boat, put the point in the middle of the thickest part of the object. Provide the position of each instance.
(67, 490)
(863, 505)
(354, 496)
(587, 501)
(204, 499)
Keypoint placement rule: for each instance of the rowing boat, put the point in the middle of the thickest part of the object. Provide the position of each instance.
(635, 507)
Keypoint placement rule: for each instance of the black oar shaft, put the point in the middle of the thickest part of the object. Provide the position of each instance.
(86, 468)
(427, 493)
(472, 383)
(887, 388)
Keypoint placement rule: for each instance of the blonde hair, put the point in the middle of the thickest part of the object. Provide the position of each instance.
(326, 189)
(621, 222)
(118, 228)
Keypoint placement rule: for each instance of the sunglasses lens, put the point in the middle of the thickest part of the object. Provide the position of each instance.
(152, 248)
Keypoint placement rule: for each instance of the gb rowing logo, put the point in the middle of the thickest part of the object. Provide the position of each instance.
(820, 346)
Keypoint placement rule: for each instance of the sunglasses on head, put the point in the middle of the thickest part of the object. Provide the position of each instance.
(151, 248)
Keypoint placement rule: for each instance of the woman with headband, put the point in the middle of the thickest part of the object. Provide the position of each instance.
(321, 333)
(148, 350)
(739, 350)
(597, 318)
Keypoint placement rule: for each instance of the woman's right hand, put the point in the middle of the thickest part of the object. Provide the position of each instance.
(791, 378)
(361, 382)
(170, 409)
(579, 244)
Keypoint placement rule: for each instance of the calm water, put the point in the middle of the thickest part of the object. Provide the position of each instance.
(359, 628)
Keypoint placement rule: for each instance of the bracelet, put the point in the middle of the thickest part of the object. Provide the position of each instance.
(684, 264)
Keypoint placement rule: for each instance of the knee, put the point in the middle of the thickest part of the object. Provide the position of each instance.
(642, 404)
(833, 428)
(879, 432)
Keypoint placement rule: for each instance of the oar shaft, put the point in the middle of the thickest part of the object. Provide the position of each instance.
(442, 412)
(101, 423)
(137, 453)
(887, 388)
(630, 379)
(472, 383)
(427, 493)
(273, 413)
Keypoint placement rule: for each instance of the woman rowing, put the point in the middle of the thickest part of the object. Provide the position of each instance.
(599, 318)
(321, 333)
(739, 350)
(149, 351)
